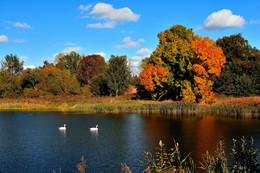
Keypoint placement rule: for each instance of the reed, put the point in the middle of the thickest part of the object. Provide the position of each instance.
(230, 106)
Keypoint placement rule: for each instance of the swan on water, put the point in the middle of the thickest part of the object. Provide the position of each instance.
(94, 128)
(63, 128)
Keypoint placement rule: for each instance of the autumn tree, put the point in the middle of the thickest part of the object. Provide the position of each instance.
(191, 63)
(68, 61)
(12, 64)
(56, 81)
(208, 61)
(152, 78)
(90, 67)
(241, 74)
(118, 75)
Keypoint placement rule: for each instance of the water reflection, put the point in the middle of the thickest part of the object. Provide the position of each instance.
(94, 133)
(36, 145)
(62, 132)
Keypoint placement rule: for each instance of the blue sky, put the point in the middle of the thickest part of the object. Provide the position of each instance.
(38, 30)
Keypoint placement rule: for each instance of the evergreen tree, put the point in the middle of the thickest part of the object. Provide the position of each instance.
(118, 75)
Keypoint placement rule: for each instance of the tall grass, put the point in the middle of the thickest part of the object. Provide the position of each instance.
(236, 107)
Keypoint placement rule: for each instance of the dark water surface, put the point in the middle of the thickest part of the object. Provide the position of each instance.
(30, 142)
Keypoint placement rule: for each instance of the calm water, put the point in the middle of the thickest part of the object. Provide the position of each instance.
(34, 144)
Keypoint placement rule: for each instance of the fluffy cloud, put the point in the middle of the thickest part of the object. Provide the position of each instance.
(135, 61)
(3, 38)
(128, 43)
(70, 49)
(223, 19)
(111, 16)
(29, 66)
(19, 24)
(101, 54)
(144, 52)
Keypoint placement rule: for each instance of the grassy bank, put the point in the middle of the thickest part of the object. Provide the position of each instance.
(247, 106)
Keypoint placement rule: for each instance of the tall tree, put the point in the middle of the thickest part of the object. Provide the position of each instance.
(118, 75)
(191, 60)
(90, 67)
(12, 64)
(69, 61)
(241, 74)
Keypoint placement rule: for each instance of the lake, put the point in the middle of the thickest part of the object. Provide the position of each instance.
(31, 142)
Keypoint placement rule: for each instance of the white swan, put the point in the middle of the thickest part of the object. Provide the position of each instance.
(94, 128)
(63, 128)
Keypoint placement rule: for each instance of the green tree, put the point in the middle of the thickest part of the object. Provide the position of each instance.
(68, 61)
(10, 86)
(30, 77)
(241, 74)
(118, 75)
(12, 64)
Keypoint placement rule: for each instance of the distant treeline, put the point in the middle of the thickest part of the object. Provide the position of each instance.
(184, 67)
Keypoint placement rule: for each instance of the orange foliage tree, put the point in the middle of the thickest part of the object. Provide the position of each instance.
(191, 63)
(208, 62)
(153, 78)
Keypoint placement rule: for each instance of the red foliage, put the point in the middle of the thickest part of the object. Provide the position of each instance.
(89, 67)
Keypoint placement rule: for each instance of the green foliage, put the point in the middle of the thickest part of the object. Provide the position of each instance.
(98, 86)
(118, 75)
(241, 74)
(68, 61)
(191, 62)
(30, 78)
(12, 64)
(10, 86)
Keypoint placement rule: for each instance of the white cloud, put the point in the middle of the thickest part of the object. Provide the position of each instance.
(3, 38)
(101, 54)
(129, 43)
(111, 16)
(223, 19)
(84, 8)
(70, 49)
(102, 25)
(19, 24)
(24, 58)
(144, 52)
(29, 66)
(134, 64)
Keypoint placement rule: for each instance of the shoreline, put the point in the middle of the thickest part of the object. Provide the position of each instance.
(243, 107)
